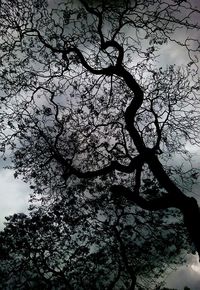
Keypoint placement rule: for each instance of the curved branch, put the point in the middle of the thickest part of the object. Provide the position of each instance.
(115, 44)
(154, 204)
(187, 205)
(104, 71)
(132, 109)
(135, 163)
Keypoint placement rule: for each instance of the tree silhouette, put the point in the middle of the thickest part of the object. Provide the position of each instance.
(83, 99)
(74, 244)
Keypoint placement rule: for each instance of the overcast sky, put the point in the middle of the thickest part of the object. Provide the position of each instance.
(14, 193)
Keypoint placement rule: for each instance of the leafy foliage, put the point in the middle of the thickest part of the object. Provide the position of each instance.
(89, 242)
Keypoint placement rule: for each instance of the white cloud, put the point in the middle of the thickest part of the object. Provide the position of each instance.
(14, 195)
(186, 276)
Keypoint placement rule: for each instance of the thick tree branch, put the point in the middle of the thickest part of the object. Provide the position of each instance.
(132, 109)
(135, 163)
(104, 71)
(115, 165)
(154, 204)
(187, 205)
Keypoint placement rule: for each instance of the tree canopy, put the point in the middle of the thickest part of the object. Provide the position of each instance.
(94, 121)
(75, 245)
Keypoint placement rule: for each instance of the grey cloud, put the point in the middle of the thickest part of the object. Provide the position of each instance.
(186, 276)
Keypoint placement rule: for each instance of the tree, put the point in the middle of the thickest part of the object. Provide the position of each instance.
(73, 244)
(83, 98)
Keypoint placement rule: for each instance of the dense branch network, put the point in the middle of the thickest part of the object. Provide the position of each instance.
(148, 109)
(174, 198)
